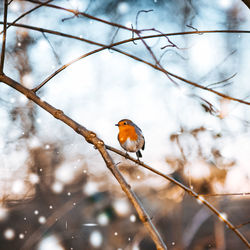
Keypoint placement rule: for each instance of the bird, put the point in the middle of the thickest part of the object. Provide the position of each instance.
(130, 137)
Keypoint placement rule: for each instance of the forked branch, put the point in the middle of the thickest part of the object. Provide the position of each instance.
(199, 198)
(112, 46)
(91, 138)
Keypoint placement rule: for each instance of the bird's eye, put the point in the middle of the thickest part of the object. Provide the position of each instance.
(125, 123)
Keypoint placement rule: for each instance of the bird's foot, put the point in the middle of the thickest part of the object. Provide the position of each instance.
(127, 155)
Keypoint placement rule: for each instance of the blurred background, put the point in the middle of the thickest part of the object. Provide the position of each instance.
(55, 190)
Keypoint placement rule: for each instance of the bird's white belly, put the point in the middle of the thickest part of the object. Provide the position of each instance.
(131, 146)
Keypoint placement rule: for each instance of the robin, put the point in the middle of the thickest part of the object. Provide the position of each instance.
(130, 137)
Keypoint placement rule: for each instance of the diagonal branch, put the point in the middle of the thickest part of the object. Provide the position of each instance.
(143, 61)
(91, 138)
(134, 57)
(243, 224)
(198, 197)
(26, 13)
(77, 13)
(247, 3)
(226, 194)
(4, 35)
(196, 32)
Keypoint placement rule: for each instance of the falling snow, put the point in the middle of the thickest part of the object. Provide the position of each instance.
(103, 219)
(3, 213)
(9, 234)
(42, 219)
(96, 239)
(21, 236)
(132, 218)
(57, 187)
(53, 172)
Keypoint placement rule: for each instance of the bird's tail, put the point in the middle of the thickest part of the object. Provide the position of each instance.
(138, 153)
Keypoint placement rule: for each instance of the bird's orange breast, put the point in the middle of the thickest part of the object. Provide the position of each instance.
(127, 132)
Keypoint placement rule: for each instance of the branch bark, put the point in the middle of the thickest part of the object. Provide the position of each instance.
(247, 3)
(26, 13)
(4, 35)
(91, 138)
(111, 46)
(198, 197)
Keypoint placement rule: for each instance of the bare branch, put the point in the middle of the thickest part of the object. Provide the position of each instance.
(4, 36)
(191, 27)
(64, 67)
(243, 224)
(247, 3)
(134, 57)
(137, 16)
(226, 194)
(78, 13)
(26, 13)
(146, 62)
(131, 39)
(54, 32)
(222, 81)
(52, 48)
(216, 67)
(91, 138)
(198, 197)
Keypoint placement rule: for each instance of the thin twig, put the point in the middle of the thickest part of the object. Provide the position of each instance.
(243, 224)
(191, 27)
(64, 67)
(26, 13)
(137, 16)
(131, 39)
(78, 13)
(4, 36)
(146, 62)
(157, 63)
(91, 138)
(53, 49)
(222, 81)
(216, 66)
(226, 194)
(99, 144)
(134, 57)
(173, 51)
(247, 3)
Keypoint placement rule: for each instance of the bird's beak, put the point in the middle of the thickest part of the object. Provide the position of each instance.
(116, 124)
